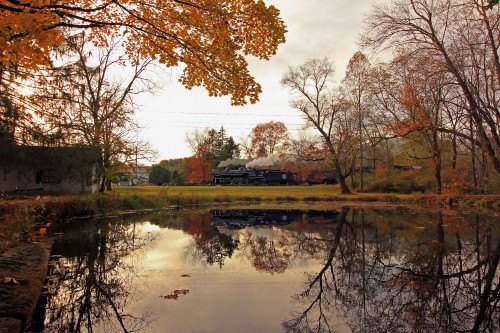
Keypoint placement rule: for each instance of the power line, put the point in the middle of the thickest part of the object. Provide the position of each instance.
(215, 122)
(230, 129)
(226, 114)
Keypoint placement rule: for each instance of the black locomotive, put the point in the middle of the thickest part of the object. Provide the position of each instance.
(252, 177)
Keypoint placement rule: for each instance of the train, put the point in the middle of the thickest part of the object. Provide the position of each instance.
(270, 177)
(253, 177)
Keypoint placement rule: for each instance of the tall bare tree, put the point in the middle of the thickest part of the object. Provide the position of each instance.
(86, 99)
(356, 89)
(322, 108)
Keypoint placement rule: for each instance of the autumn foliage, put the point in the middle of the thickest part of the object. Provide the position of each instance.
(269, 139)
(199, 170)
(211, 37)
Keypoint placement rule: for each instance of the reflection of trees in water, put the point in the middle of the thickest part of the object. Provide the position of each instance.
(382, 272)
(91, 280)
(209, 245)
(441, 279)
(273, 256)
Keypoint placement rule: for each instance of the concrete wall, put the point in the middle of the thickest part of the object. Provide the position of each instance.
(57, 170)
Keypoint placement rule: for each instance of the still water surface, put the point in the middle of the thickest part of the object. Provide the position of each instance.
(342, 270)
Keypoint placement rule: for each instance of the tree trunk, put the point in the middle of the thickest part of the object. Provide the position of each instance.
(455, 152)
(473, 155)
(344, 189)
(102, 186)
(436, 159)
(361, 162)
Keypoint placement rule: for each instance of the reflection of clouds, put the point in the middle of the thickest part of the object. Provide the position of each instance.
(148, 227)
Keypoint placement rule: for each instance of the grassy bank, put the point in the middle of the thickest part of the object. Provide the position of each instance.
(196, 195)
(25, 220)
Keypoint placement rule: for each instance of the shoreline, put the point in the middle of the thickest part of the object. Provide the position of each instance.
(27, 264)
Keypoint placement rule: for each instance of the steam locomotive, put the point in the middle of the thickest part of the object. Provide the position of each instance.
(252, 177)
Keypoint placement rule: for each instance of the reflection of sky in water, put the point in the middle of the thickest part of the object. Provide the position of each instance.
(236, 298)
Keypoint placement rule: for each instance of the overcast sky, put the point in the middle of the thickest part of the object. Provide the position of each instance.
(316, 29)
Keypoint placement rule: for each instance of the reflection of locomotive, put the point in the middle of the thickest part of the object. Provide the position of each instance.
(252, 177)
(240, 218)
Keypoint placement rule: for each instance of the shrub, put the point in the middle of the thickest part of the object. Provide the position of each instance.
(396, 184)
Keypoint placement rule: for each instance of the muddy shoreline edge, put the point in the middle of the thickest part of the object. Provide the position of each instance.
(27, 264)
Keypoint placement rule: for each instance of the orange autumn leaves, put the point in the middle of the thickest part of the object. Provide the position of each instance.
(417, 116)
(210, 37)
(175, 294)
(178, 292)
(26, 37)
(269, 139)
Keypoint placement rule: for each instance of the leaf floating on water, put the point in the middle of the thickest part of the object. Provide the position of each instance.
(181, 292)
(175, 294)
(9, 280)
(185, 275)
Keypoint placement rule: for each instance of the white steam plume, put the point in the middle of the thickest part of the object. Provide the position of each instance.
(262, 162)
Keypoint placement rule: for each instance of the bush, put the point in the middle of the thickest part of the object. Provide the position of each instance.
(399, 183)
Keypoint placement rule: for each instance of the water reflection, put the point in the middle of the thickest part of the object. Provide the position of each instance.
(90, 283)
(209, 244)
(367, 271)
(425, 278)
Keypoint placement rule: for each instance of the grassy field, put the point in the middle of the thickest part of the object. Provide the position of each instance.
(235, 193)
(187, 195)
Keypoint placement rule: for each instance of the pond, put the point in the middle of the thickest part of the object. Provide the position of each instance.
(348, 269)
